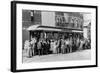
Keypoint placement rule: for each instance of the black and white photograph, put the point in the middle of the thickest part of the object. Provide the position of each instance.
(55, 36)
(50, 36)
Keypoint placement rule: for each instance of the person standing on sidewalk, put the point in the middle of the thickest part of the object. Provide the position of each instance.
(33, 45)
(67, 45)
(27, 47)
(81, 44)
(70, 44)
(39, 47)
(62, 46)
(29, 51)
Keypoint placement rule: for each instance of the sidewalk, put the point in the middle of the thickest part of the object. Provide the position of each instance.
(79, 55)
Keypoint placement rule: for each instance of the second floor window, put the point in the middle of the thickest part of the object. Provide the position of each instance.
(32, 15)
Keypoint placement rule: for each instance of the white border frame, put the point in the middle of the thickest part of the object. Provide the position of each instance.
(21, 66)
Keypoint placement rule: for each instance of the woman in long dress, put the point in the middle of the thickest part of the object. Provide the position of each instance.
(55, 47)
(70, 44)
(27, 47)
(67, 48)
(63, 46)
(81, 44)
(33, 45)
(51, 45)
(39, 47)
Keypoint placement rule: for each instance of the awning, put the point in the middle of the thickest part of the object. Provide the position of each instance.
(33, 27)
(38, 27)
(47, 28)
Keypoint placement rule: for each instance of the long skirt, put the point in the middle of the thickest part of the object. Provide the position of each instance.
(63, 49)
(67, 48)
(29, 52)
(54, 50)
(70, 48)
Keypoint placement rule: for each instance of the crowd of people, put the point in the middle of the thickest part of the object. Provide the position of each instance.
(51, 46)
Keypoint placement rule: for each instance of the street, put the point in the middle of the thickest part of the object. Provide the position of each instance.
(79, 55)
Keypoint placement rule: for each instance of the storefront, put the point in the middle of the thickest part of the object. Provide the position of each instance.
(51, 24)
(55, 33)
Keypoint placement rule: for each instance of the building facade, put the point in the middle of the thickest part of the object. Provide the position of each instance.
(51, 24)
(87, 26)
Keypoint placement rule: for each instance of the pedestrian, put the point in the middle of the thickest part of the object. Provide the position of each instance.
(54, 47)
(29, 49)
(81, 44)
(39, 47)
(70, 44)
(62, 46)
(67, 48)
(74, 44)
(33, 45)
(51, 46)
(58, 46)
(77, 43)
(47, 47)
(27, 46)
(43, 47)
